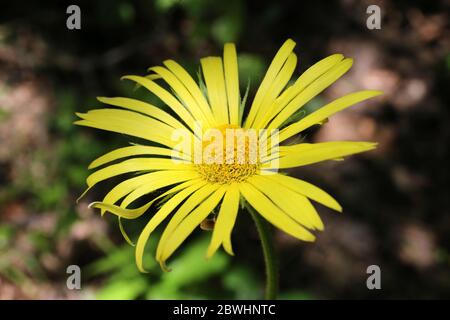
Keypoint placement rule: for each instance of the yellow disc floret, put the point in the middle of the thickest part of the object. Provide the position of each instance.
(229, 155)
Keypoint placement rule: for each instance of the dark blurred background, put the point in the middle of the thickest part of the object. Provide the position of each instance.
(396, 198)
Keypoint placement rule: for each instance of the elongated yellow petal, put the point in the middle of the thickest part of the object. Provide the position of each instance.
(232, 81)
(273, 214)
(166, 97)
(126, 187)
(130, 123)
(300, 84)
(326, 111)
(145, 108)
(157, 184)
(182, 212)
(311, 91)
(317, 152)
(192, 87)
(124, 233)
(188, 225)
(162, 213)
(272, 72)
(133, 165)
(297, 206)
(186, 97)
(134, 151)
(215, 84)
(225, 221)
(275, 88)
(307, 189)
(136, 213)
(122, 212)
(125, 213)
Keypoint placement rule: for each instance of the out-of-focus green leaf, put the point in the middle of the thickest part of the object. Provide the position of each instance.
(251, 67)
(123, 290)
(227, 28)
(6, 233)
(242, 282)
(189, 267)
(126, 12)
(296, 295)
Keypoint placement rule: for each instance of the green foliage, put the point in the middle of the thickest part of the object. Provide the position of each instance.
(190, 271)
(251, 68)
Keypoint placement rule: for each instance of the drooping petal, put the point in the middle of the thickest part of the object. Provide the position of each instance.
(326, 111)
(225, 221)
(185, 228)
(316, 87)
(124, 233)
(273, 213)
(232, 81)
(176, 177)
(125, 213)
(215, 84)
(274, 68)
(156, 180)
(162, 213)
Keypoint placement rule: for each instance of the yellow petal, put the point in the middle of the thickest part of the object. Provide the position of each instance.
(136, 213)
(277, 85)
(176, 177)
(124, 233)
(272, 72)
(307, 189)
(133, 165)
(192, 87)
(189, 102)
(326, 111)
(130, 123)
(215, 84)
(232, 81)
(134, 151)
(297, 206)
(162, 213)
(300, 84)
(166, 97)
(143, 107)
(316, 87)
(304, 154)
(191, 222)
(121, 212)
(182, 212)
(225, 221)
(273, 214)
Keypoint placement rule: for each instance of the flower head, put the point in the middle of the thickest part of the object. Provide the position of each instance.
(204, 153)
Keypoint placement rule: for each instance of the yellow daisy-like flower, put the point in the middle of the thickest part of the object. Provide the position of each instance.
(195, 185)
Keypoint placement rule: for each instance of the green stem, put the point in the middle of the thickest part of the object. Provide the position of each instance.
(269, 254)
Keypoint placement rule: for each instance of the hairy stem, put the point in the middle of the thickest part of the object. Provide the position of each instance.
(265, 236)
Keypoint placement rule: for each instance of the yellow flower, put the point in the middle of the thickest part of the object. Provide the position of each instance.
(194, 189)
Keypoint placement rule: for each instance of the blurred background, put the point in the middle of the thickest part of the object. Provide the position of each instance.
(396, 198)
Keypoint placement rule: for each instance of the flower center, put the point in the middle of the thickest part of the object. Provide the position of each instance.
(229, 154)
